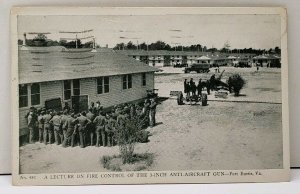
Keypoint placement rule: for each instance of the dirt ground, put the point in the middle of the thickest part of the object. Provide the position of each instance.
(222, 135)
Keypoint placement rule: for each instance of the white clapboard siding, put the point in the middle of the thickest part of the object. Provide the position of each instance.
(88, 86)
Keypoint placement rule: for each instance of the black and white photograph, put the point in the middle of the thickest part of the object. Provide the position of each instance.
(149, 95)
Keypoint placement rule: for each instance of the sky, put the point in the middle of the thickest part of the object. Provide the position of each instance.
(240, 31)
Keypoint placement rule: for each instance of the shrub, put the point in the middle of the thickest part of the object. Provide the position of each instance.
(236, 83)
(126, 133)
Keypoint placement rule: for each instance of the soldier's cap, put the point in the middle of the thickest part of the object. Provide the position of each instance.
(42, 112)
(98, 102)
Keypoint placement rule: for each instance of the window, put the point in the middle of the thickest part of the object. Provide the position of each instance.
(144, 79)
(106, 84)
(127, 81)
(23, 96)
(76, 87)
(35, 94)
(102, 85)
(67, 89)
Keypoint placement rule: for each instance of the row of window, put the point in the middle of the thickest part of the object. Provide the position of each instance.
(32, 92)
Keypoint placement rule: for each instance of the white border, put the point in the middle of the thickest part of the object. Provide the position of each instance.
(267, 175)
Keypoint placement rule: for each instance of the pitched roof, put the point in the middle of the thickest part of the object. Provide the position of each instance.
(39, 64)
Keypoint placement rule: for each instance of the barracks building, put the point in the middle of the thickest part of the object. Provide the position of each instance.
(51, 76)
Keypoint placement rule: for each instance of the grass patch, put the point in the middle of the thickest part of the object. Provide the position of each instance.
(139, 162)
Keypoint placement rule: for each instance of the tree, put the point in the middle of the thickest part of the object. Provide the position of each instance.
(236, 82)
(40, 37)
(131, 46)
(20, 42)
(277, 50)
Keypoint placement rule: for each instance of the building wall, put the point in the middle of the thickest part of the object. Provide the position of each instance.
(88, 86)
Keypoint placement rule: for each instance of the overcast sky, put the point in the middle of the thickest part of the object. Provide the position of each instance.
(241, 31)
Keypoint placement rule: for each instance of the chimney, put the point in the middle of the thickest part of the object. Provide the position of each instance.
(106, 46)
(24, 39)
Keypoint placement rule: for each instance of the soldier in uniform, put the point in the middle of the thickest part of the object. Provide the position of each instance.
(199, 87)
(69, 125)
(153, 112)
(99, 123)
(41, 125)
(193, 87)
(64, 118)
(47, 128)
(98, 107)
(91, 128)
(67, 107)
(57, 128)
(83, 122)
(74, 139)
(31, 123)
(110, 130)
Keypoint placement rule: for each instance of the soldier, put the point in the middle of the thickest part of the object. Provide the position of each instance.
(212, 82)
(91, 128)
(64, 118)
(199, 87)
(74, 139)
(153, 112)
(110, 130)
(193, 87)
(98, 107)
(67, 107)
(99, 123)
(92, 107)
(31, 123)
(41, 125)
(47, 127)
(57, 128)
(185, 86)
(83, 122)
(208, 86)
(69, 125)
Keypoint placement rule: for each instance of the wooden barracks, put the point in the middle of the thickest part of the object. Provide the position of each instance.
(51, 76)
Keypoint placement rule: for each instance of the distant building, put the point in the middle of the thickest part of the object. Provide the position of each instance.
(267, 61)
(51, 76)
(161, 58)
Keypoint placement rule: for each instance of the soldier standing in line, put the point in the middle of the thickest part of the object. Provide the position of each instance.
(41, 125)
(74, 139)
(92, 107)
(99, 123)
(83, 122)
(69, 125)
(64, 118)
(199, 87)
(31, 123)
(57, 128)
(153, 112)
(91, 128)
(47, 128)
(110, 130)
(67, 107)
(99, 107)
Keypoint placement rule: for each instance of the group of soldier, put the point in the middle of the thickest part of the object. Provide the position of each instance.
(97, 127)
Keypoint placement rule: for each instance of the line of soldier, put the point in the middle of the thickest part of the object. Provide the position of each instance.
(70, 129)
